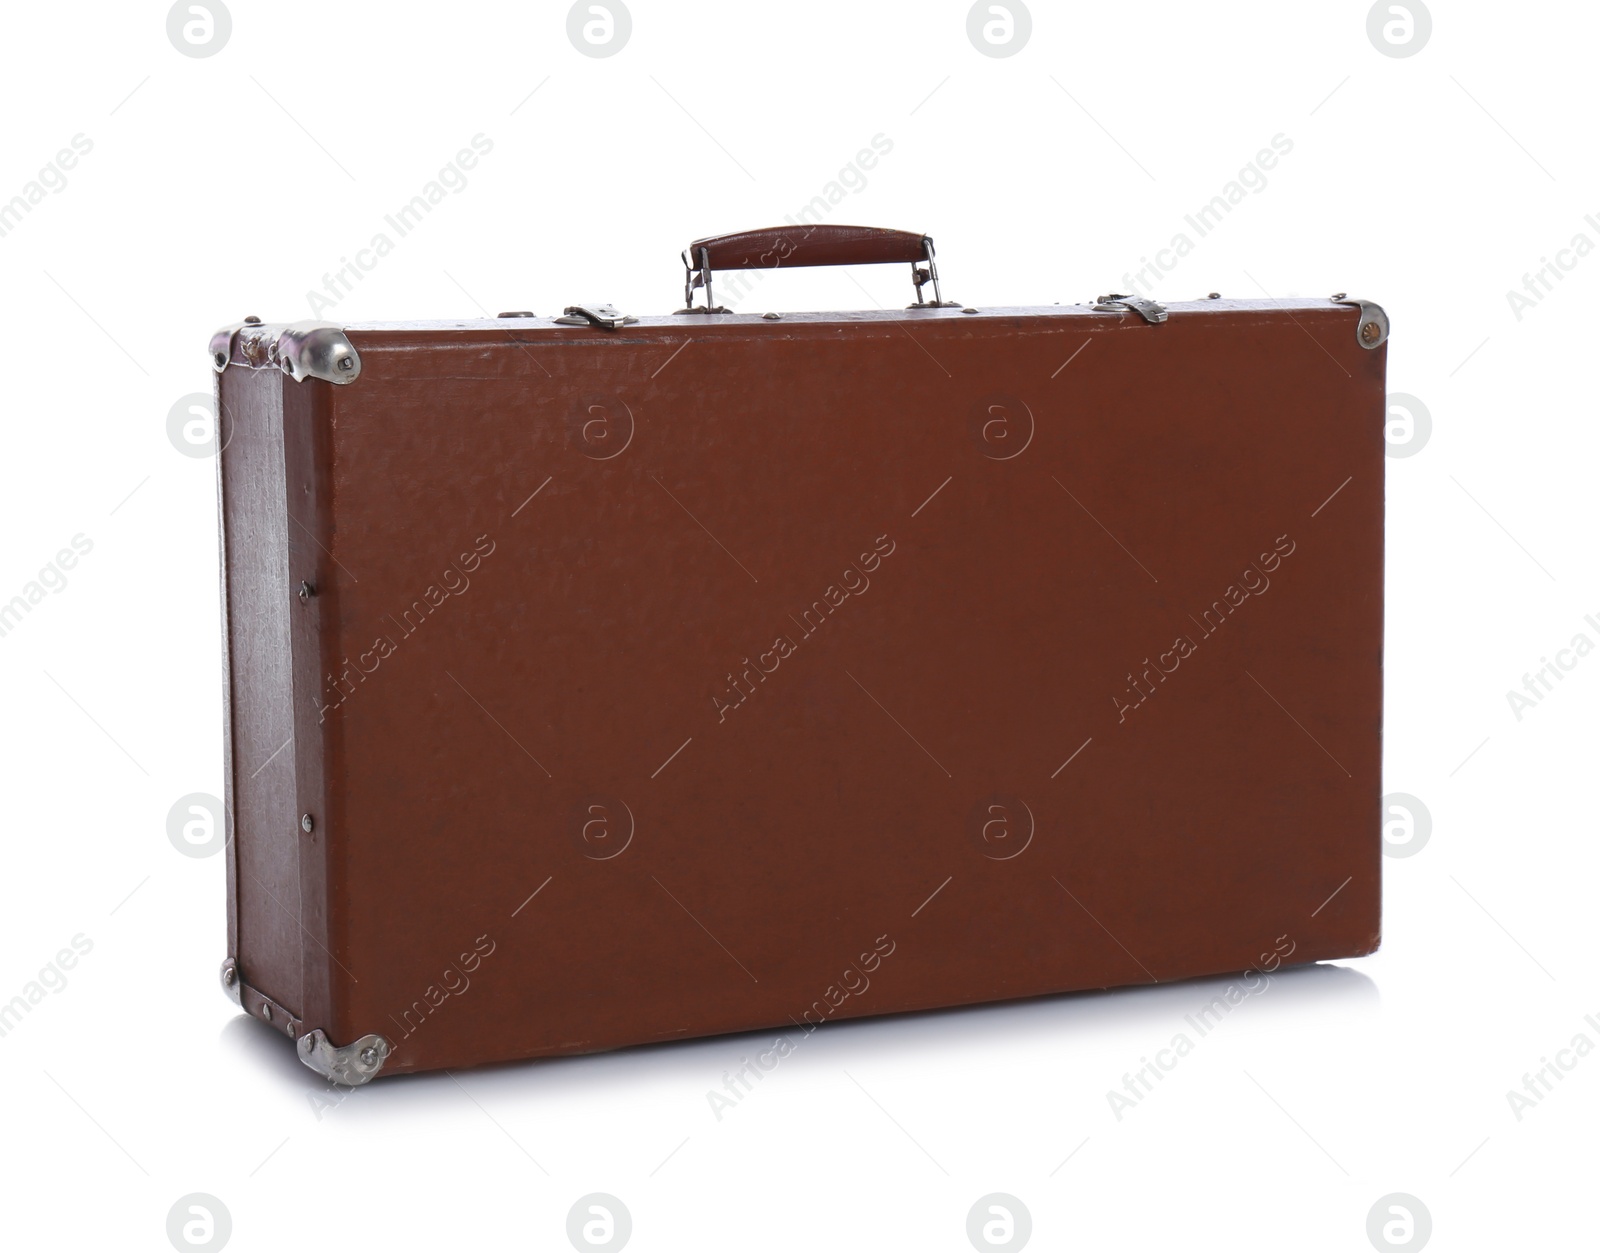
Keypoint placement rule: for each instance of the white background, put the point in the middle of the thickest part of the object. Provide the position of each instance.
(231, 184)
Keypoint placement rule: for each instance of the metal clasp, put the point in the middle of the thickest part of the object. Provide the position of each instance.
(602, 316)
(1149, 310)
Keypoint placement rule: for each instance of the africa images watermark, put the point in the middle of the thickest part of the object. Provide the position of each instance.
(851, 179)
(1536, 686)
(1251, 180)
(1542, 1082)
(453, 982)
(450, 180)
(52, 578)
(1539, 284)
(50, 180)
(1139, 1084)
(853, 982)
(52, 977)
(1253, 582)
(853, 582)
(453, 582)
(735, 286)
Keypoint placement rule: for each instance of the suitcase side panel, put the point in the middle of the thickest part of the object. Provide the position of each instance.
(228, 801)
(312, 592)
(264, 872)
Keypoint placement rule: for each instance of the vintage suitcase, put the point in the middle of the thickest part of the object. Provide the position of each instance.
(597, 680)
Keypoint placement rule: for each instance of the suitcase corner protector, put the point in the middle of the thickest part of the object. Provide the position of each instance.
(1372, 327)
(230, 981)
(351, 1065)
(302, 350)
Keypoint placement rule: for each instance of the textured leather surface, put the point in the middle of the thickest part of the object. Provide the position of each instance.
(718, 675)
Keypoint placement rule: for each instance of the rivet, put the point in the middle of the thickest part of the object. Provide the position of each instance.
(307, 823)
(288, 366)
(306, 593)
(221, 359)
(252, 320)
(289, 1027)
(346, 364)
(969, 310)
(266, 1012)
(1216, 295)
(772, 317)
(229, 974)
(1338, 295)
(1370, 332)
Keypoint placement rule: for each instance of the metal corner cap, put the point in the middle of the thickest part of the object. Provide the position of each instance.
(1372, 327)
(302, 350)
(222, 348)
(317, 350)
(229, 975)
(352, 1065)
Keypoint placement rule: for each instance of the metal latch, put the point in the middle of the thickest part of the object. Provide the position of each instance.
(1149, 310)
(602, 316)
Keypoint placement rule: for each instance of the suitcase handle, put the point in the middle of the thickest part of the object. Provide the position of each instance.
(777, 246)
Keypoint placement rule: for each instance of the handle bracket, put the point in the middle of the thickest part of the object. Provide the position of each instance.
(929, 273)
(700, 277)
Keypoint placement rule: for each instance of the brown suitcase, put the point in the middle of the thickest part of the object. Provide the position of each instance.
(600, 680)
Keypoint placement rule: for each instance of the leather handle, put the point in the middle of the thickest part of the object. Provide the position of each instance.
(807, 245)
(822, 244)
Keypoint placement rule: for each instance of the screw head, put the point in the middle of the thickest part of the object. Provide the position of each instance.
(1370, 332)
(346, 364)
(307, 823)
(369, 1056)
